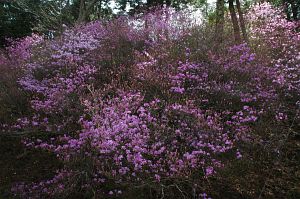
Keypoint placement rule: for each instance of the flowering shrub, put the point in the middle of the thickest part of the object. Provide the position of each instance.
(131, 141)
(12, 99)
(20, 50)
(134, 105)
(267, 24)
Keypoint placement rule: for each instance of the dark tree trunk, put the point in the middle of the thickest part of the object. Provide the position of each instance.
(219, 27)
(295, 7)
(241, 19)
(99, 10)
(82, 12)
(235, 24)
(286, 10)
(85, 9)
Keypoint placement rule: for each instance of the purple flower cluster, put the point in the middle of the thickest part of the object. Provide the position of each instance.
(133, 140)
(267, 24)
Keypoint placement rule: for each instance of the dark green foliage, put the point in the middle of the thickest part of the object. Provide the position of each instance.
(14, 22)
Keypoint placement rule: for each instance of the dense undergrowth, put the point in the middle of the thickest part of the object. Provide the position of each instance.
(152, 107)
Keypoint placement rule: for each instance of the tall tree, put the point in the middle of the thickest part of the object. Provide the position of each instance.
(295, 5)
(241, 20)
(85, 9)
(235, 23)
(219, 26)
(15, 22)
(142, 5)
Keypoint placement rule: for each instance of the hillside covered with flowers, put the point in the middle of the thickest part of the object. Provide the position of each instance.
(153, 105)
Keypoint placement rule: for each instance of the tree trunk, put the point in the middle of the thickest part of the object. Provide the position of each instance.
(99, 10)
(286, 10)
(84, 10)
(235, 24)
(241, 19)
(219, 27)
(295, 7)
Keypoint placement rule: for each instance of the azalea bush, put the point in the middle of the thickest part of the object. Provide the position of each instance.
(12, 97)
(137, 103)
